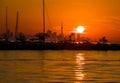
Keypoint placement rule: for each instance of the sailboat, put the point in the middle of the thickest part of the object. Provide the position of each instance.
(16, 28)
(44, 21)
(7, 30)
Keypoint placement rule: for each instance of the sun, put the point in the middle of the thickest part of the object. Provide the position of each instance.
(80, 29)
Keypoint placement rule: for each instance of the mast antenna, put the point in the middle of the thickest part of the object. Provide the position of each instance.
(44, 21)
(62, 34)
(16, 28)
(7, 30)
(62, 28)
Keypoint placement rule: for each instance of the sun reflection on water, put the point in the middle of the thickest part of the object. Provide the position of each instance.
(79, 75)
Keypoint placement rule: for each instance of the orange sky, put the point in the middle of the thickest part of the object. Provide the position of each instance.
(100, 17)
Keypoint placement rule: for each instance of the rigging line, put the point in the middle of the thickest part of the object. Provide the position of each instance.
(49, 21)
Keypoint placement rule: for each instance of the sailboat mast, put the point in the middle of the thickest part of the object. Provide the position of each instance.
(7, 30)
(62, 29)
(44, 21)
(62, 34)
(16, 28)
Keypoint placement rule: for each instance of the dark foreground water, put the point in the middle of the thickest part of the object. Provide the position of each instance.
(59, 66)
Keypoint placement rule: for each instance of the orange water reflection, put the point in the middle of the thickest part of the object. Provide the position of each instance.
(79, 75)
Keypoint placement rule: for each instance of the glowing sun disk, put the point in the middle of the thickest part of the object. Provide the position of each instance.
(80, 29)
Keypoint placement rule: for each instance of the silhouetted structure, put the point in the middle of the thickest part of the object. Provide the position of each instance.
(40, 36)
(62, 35)
(103, 40)
(44, 21)
(50, 40)
(21, 37)
(7, 30)
(16, 28)
(53, 43)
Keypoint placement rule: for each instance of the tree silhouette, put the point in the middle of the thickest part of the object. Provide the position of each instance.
(71, 37)
(103, 40)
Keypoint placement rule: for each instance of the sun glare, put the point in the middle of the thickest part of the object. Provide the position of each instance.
(80, 29)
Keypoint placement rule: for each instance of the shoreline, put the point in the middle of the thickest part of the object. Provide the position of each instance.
(56, 46)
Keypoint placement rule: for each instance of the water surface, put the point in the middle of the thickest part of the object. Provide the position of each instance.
(59, 66)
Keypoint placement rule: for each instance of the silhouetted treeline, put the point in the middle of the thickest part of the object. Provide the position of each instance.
(53, 41)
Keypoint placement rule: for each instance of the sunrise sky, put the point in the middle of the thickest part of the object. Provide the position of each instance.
(99, 17)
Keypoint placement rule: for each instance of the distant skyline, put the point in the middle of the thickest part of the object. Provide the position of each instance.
(99, 17)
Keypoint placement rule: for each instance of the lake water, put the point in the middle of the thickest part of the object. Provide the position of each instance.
(60, 66)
